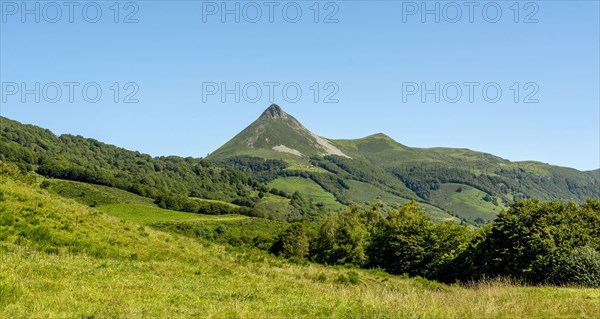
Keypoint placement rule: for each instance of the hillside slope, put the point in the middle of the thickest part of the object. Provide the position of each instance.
(378, 169)
(184, 184)
(62, 259)
(276, 135)
(374, 169)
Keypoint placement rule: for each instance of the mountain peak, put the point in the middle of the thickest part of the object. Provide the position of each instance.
(274, 111)
(276, 133)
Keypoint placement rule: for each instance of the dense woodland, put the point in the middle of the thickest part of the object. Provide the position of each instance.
(534, 242)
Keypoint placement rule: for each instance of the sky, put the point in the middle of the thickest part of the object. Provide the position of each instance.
(516, 79)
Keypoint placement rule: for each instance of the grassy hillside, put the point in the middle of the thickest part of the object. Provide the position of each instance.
(265, 136)
(332, 173)
(94, 195)
(467, 202)
(64, 259)
(232, 229)
(170, 180)
(308, 188)
(368, 194)
(146, 215)
(595, 173)
(378, 168)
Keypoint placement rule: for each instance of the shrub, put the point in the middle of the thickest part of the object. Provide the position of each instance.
(341, 279)
(321, 277)
(353, 277)
(580, 267)
(293, 241)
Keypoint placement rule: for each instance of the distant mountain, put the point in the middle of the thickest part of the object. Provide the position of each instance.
(278, 168)
(469, 185)
(276, 134)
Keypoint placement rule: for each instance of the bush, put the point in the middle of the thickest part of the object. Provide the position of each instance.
(580, 267)
(343, 238)
(45, 184)
(404, 243)
(321, 277)
(293, 241)
(533, 241)
(353, 277)
(341, 279)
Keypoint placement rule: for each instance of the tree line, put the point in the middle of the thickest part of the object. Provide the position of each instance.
(532, 241)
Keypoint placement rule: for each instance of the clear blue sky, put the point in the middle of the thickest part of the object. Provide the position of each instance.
(373, 49)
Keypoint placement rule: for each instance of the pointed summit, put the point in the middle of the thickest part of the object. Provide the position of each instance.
(274, 111)
(276, 134)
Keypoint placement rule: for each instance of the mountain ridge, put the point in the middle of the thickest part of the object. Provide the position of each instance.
(275, 111)
(280, 134)
(377, 166)
(277, 150)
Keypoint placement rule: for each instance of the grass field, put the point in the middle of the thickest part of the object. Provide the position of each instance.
(94, 195)
(307, 188)
(146, 215)
(215, 283)
(231, 229)
(63, 259)
(278, 206)
(214, 201)
(368, 194)
(468, 202)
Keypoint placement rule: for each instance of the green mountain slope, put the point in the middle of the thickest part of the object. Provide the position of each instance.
(276, 135)
(63, 259)
(377, 168)
(595, 173)
(317, 174)
(87, 160)
(171, 182)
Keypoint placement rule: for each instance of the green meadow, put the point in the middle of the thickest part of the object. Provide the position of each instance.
(64, 259)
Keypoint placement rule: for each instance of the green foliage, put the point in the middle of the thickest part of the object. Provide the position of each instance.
(90, 194)
(353, 277)
(344, 237)
(449, 242)
(536, 242)
(581, 266)
(294, 241)
(91, 259)
(532, 240)
(165, 179)
(404, 241)
(264, 169)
